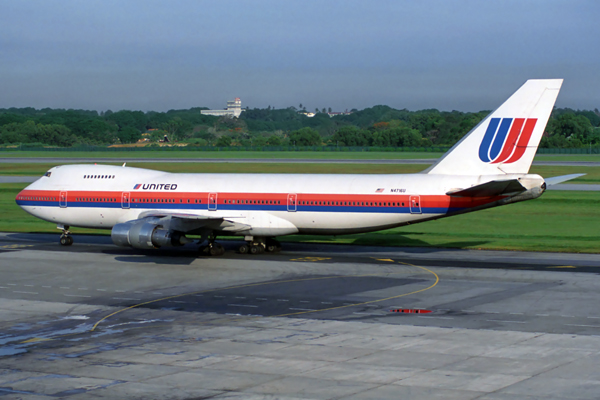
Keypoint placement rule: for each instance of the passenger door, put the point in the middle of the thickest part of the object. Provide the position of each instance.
(125, 200)
(212, 202)
(62, 200)
(415, 204)
(292, 202)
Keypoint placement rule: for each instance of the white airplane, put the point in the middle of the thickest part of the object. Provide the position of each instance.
(149, 209)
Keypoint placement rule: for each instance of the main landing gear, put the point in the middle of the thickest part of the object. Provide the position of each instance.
(65, 238)
(252, 246)
(259, 246)
(212, 248)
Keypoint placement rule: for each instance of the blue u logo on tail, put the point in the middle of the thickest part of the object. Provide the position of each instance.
(506, 139)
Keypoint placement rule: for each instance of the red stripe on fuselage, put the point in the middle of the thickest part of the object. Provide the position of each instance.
(338, 200)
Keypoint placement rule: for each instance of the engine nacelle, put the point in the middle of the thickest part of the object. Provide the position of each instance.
(145, 234)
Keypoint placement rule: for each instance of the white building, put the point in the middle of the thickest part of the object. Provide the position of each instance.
(234, 109)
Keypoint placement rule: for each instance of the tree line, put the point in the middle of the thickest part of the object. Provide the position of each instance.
(380, 126)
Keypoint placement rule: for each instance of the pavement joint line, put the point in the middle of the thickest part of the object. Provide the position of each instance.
(502, 320)
(590, 326)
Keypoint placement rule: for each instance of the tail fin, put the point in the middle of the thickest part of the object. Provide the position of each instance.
(506, 141)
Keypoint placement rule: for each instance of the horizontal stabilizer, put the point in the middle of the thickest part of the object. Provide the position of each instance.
(560, 179)
(490, 189)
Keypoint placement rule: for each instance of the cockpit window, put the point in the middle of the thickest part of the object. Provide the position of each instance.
(48, 174)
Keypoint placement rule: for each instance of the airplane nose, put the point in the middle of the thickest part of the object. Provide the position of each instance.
(20, 197)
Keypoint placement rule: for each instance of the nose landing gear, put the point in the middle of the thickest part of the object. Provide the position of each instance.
(65, 238)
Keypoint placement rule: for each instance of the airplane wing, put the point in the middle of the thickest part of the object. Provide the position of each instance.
(187, 223)
(490, 189)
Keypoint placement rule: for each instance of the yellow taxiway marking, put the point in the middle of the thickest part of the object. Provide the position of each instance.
(35, 339)
(311, 259)
(564, 266)
(15, 246)
(383, 259)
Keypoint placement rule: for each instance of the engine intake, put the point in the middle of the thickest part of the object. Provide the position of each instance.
(145, 234)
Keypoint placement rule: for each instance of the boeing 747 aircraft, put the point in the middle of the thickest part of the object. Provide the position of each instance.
(147, 209)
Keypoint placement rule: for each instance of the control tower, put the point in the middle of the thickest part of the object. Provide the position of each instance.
(234, 109)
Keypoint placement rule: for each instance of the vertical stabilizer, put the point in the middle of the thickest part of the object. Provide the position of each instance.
(506, 141)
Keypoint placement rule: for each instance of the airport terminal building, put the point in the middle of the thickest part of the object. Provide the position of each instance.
(234, 109)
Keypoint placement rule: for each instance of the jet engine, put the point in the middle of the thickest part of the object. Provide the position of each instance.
(146, 234)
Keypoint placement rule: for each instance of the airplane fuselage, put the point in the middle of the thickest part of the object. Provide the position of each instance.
(100, 196)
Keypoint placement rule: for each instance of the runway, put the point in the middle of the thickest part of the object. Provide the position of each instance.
(312, 322)
(424, 161)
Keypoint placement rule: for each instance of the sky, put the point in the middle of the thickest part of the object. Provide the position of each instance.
(344, 54)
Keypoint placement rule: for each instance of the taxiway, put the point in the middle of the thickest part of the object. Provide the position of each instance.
(312, 322)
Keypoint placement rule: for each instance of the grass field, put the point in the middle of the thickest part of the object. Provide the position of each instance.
(592, 173)
(326, 155)
(558, 221)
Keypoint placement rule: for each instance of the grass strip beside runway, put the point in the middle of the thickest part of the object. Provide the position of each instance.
(328, 155)
(558, 221)
(16, 169)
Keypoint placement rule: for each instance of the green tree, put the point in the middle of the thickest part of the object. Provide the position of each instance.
(274, 140)
(350, 135)
(306, 137)
(224, 141)
(570, 126)
(129, 135)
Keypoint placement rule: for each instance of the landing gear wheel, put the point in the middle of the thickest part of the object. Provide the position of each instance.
(66, 240)
(214, 249)
(243, 249)
(256, 249)
(65, 237)
(272, 246)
